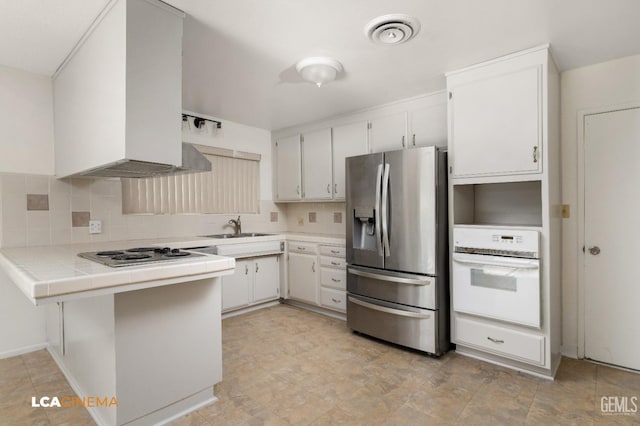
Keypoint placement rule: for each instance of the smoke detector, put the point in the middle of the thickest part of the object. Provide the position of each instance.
(392, 29)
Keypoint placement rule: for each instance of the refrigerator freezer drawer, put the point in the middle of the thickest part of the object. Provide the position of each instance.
(395, 287)
(411, 327)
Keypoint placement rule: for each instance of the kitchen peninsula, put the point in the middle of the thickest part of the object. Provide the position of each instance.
(150, 335)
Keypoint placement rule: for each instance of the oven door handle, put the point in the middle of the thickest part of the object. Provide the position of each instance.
(398, 280)
(389, 310)
(503, 262)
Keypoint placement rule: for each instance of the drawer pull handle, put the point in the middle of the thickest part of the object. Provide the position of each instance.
(495, 340)
(335, 251)
(335, 263)
(336, 300)
(301, 248)
(335, 280)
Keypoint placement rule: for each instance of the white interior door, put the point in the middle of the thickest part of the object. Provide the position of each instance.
(612, 237)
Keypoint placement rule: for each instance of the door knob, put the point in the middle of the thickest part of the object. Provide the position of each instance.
(595, 250)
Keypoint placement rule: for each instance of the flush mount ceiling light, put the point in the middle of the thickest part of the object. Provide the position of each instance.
(392, 29)
(319, 69)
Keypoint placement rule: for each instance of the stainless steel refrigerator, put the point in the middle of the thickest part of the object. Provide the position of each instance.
(397, 274)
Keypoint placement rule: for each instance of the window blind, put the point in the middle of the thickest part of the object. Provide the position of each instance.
(232, 186)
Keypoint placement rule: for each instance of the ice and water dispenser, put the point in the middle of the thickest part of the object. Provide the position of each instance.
(364, 228)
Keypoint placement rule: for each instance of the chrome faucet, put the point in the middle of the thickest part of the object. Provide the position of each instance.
(237, 224)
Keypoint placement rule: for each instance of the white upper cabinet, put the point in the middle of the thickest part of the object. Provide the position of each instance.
(288, 169)
(419, 121)
(428, 126)
(317, 165)
(348, 140)
(119, 96)
(388, 132)
(496, 115)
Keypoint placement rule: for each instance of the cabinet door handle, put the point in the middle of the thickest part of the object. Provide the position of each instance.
(495, 340)
(298, 189)
(246, 269)
(335, 188)
(403, 141)
(313, 267)
(413, 139)
(535, 154)
(257, 267)
(301, 248)
(329, 188)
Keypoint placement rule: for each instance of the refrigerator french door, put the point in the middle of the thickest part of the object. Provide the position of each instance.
(396, 247)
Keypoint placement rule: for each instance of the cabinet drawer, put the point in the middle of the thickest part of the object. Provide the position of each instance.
(335, 278)
(333, 251)
(297, 247)
(333, 299)
(519, 345)
(333, 262)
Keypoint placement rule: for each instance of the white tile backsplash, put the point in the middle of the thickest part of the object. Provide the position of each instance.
(102, 198)
(324, 214)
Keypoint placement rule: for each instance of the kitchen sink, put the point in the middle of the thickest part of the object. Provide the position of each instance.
(243, 235)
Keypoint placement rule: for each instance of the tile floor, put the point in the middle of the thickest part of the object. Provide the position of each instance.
(284, 365)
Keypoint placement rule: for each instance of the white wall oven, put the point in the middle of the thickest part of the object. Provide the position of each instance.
(496, 274)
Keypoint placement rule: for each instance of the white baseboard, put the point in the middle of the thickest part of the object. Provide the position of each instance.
(23, 350)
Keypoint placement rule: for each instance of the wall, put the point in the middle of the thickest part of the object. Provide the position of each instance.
(602, 85)
(26, 122)
(26, 145)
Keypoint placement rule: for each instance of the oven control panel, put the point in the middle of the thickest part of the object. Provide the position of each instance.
(496, 241)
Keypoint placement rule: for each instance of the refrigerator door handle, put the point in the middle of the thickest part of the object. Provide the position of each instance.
(385, 211)
(397, 280)
(377, 210)
(389, 310)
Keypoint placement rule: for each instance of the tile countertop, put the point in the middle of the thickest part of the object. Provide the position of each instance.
(53, 273)
(49, 273)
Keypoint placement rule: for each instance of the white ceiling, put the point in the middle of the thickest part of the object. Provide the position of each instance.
(240, 55)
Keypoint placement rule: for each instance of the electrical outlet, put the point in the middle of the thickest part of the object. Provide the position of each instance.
(300, 221)
(95, 226)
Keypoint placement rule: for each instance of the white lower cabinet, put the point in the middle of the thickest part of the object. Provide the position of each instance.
(236, 287)
(303, 277)
(333, 278)
(317, 275)
(266, 283)
(520, 344)
(333, 299)
(255, 280)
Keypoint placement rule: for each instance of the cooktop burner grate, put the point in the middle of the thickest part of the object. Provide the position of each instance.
(138, 256)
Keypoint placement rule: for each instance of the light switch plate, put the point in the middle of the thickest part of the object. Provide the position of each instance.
(95, 226)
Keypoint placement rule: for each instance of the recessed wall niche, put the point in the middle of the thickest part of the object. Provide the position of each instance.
(510, 203)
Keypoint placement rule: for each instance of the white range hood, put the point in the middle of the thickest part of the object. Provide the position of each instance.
(118, 96)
